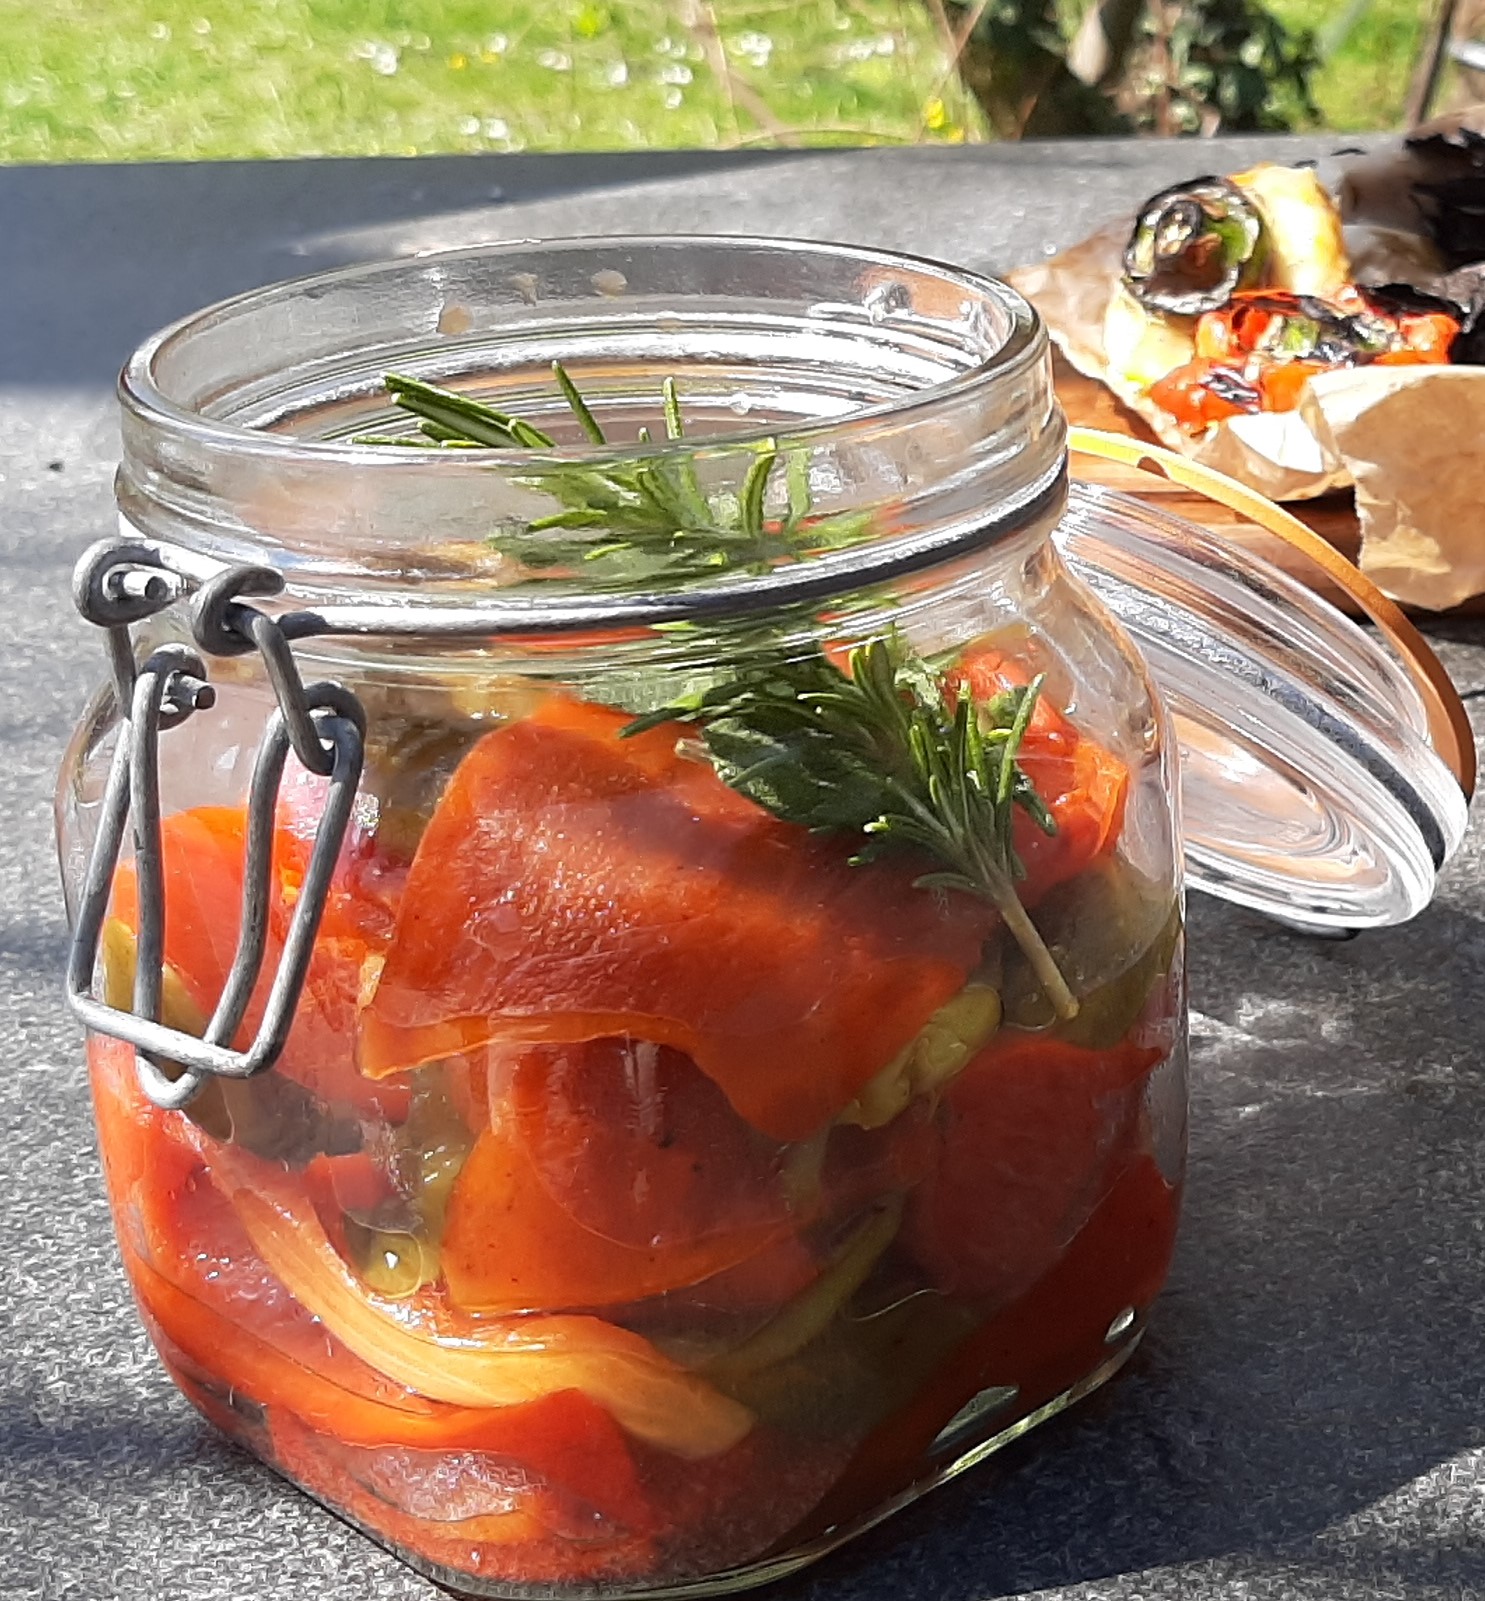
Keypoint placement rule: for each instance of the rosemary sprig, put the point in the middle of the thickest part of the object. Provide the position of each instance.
(659, 522)
(881, 752)
(877, 751)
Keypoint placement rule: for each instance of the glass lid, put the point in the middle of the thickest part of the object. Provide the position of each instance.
(1326, 767)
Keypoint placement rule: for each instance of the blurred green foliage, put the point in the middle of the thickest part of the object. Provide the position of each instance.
(1202, 65)
(1368, 49)
(1365, 52)
(1149, 66)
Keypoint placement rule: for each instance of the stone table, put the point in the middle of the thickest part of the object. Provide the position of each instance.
(1305, 1417)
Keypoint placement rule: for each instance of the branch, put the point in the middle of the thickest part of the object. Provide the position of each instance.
(697, 16)
(1430, 63)
(955, 43)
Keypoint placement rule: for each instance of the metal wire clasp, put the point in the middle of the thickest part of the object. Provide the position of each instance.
(118, 583)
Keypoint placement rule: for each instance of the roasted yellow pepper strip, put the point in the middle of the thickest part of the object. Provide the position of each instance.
(489, 1364)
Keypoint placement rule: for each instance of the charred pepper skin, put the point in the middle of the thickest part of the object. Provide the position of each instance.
(1193, 246)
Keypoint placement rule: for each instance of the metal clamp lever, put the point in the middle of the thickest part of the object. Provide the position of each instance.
(118, 583)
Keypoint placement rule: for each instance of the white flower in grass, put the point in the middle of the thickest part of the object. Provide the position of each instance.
(756, 48)
(379, 56)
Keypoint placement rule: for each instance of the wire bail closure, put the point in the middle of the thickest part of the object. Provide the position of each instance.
(116, 584)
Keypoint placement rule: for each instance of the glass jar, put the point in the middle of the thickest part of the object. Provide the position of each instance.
(673, 1043)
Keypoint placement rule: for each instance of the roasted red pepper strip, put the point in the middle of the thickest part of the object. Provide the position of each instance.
(573, 885)
(548, 1535)
(761, 1284)
(202, 855)
(1042, 1343)
(1406, 356)
(204, 1290)
(203, 851)
(1031, 1134)
(357, 1184)
(1083, 785)
(639, 1146)
(509, 1247)
(1190, 396)
(1429, 333)
(613, 1170)
(1282, 383)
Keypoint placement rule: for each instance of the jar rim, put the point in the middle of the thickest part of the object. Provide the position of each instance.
(145, 396)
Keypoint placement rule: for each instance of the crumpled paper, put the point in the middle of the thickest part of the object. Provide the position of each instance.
(1411, 440)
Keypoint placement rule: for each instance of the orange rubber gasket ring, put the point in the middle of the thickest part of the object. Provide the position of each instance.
(1449, 728)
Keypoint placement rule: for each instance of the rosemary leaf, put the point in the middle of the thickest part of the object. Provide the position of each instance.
(401, 441)
(674, 428)
(580, 409)
(463, 416)
(755, 486)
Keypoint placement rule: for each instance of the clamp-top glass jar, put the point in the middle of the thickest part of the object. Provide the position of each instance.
(674, 1044)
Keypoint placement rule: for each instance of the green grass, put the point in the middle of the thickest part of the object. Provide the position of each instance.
(123, 80)
(1370, 46)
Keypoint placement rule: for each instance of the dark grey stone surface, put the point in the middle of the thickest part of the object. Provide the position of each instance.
(1306, 1418)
